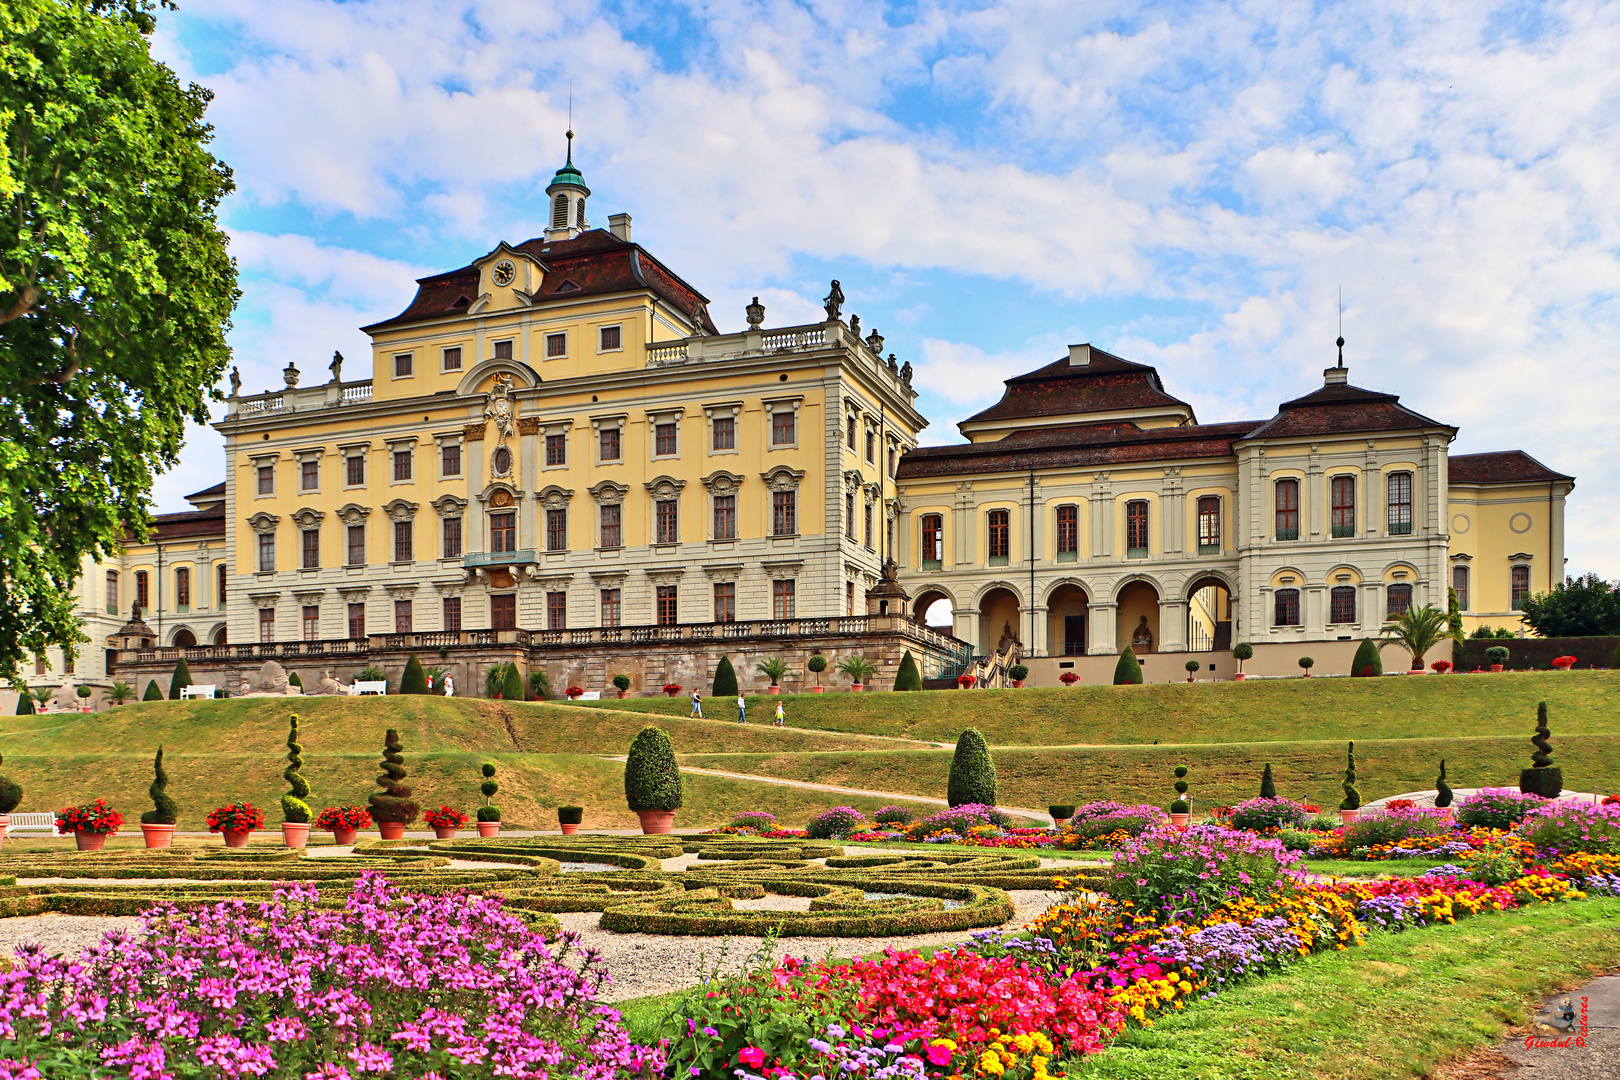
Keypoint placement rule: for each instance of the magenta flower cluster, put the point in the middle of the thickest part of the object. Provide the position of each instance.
(1569, 826)
(388, 985)
(1183, 873)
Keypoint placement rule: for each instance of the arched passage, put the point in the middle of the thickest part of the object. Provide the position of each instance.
(933, 607)
(219, 636)
(1068, 610)
(1209, 616)
(1139, 617)
(1000, 615)
(185, 639)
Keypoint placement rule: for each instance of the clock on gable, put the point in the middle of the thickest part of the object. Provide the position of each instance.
(504, 272)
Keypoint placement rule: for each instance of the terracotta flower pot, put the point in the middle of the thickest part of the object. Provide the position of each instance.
(1018, 683)
(623, 694)
(818, 689)
(1191, 678)
(671, 693)
(444, 832)
(237, 837)
(656, 821)
(1348, 816)
(489, 828)
(90, 841)
(345, 836)
(5, 825)
(158, 836)
(773, 689)
(856, 688)
(1496, 667)
(1179, 821)
(1239, 677)
(569, 828)
(1060, 823)
(391, 830)
(295, 833)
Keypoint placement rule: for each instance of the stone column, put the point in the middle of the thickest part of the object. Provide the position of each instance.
(1103, 637)
(1172, 626)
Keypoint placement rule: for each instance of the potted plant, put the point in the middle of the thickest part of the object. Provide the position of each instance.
(237, 821)
(157, 824)
(294, 810)
(344, 822)
(672, 688)
(622, 684)
(1181, 805)
(1061, 813)
(965, 681)
(569, 817)
(1496, 656)
(1240, 652)
(1018, 673)
(1307, 662)
(1350, 807)
(816, 665)
(859, 669)
(652, 780)
(1543, 777)
(392, 808)
(489, 815)
(1563, 663)
(11, 794)
(495, 681)
(539, 685)
(1417, 630)
(90, 824)
(445, 821)
(573, 692)
(1192, 667)
(776, 669)
(120, 692)
(1068, 678)
(84, 696)
(1440, 667)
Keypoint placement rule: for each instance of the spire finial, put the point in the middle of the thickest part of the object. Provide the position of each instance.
(570, 144)
(1340, 344)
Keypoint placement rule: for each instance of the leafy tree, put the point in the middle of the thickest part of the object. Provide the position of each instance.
(11, 792)
(1369, 661)
(1242, 651)
(393, 803)
(725, 678)
(1585, 606)
(973, 771)
(1307, 662)
(120, 692)
(1268, 786)
(293, 806)
(25, 701)
(1417, 630)
(652, 779)
(164, 809)
(909, 678)
(414, 678)
(512, 685)
(115, 295)
(181, 679)
(152, 692)
(1128, 672)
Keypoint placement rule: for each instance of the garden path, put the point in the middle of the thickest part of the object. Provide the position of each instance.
(1426, 798)
(1554, 1053)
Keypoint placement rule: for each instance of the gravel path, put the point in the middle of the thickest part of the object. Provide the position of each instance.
(61, 933)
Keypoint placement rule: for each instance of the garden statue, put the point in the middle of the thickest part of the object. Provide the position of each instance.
(905, 373)
(272, 680)
(1142, 638)
(290, 373)
(329, 685)
(834, 303)
(755, 314)
(236, 382)
(336, 366)
(1008, 638)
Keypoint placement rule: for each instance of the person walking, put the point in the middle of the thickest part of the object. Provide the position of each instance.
(781, 715)
(449, 686)
(742, 710)
(697, 705)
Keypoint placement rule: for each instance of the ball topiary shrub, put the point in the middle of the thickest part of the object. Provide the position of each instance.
(1307, 662)
(164, 809)
(907, 677)
(180, 680)
(1352, 796)
(1368, 662)
(1242, 651)
(1128, 672)
(652, 779)
(11, 792)
(1542, 778)
(1181, 804)
(621, 683)
(293, 806)
(414, 680)
(393, 803)
(487, 788)
(973, 773)
(1268, 786)
(725, 678)
(816, 665)
(152, 692)
(1496, 655)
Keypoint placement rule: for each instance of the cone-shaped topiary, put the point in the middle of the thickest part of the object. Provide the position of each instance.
(1368, 661)
(393, 803)
(1443, 793)
(293, 806)
(725, 678)
(652, 780)
(11, 792)
(1268, 786)
(908, 677)
(181, 679)
(414, 680)
(973, 773)
(164, 810)
(1542, 778)
(1352, 797)
(1128, 672)
(152, 692)
(25, 702)
(1182, 804)
(294, 680)
(512, 686)
(488, 788)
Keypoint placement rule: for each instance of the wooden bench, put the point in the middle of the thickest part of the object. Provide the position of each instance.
(197, 690)
(33, 822)
(360, 688)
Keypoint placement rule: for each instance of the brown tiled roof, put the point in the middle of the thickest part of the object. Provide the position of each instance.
(1107, 384)
(1092, 446)
(1500, 467)
(1340, 408)
(188, 524)
(593, 263)
(215, 492)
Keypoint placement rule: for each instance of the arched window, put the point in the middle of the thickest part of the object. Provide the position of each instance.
(1136, 529)
(1288, 509)
(1209, 525)
(1459, 582)
(1342, 606)
(1287, 612)
(1400, 598)
(1400, 504)
(1000, 537)
(933, 541)
(559, 211)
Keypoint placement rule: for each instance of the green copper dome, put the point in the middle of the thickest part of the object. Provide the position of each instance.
(568, 175)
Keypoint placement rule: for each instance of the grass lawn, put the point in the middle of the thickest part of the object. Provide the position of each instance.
(1398, 1007)
(1356, 868)
(1098, 857)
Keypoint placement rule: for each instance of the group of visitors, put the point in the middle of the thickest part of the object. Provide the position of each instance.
(742, 710)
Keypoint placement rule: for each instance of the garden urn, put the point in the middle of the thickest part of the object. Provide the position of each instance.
(391, 830)
(444, 832)
(1347, 817)
(671, 693)
(90, 841)
(489, 828)
(295, 834)
(237, 837)
(1179, 821)
(655, 821)
(345, 836)
(158, 836)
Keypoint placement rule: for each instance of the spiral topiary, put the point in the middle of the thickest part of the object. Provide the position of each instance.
(1443, 793)
(1352, 797)
(488, 788)
(1542, 778)
(973, 772)
(1268, 786)
(1181, 804)
(293, 806)
(393, 804)
(164, 809)
(11, 792)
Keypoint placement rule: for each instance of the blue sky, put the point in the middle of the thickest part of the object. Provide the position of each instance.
(1187, 184)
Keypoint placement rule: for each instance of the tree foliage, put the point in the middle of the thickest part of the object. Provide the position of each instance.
(11, 792)
(1128, 672)
(725, 678)
(1585, 606)
(115, 295)
(973, 772)
(652, 779)
(1417, 630)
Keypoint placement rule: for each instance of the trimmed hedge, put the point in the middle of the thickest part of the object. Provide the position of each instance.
(180, 680)
(1368, 662)
(1537, 654)
(414, 680)
(1128, 672)
(908, 677)
(725, 678)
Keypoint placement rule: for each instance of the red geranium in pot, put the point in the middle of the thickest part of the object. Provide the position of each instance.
(966, 681)
(1441, 666)
(90, 824)
(574, 692)
(672, 688)
(445, 821)
(1068, 678)
(344, 822)
(237, 821)
(1563, 663)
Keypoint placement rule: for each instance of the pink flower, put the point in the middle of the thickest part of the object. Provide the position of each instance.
(751, 1056)
(939, 1055)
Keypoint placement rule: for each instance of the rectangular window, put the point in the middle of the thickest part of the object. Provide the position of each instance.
(664, 439)
(503, 532)
(182, 588)
(503, 349)
(612, 536)
(1068, 533)
(1287, 496)
(402, 616)
(1344, 506)
(1400, 504)
(610, 607)
(402, 465)
(503, 612)
(1136, 529)
(1521, 586)
(556, 345)
(402, 365)
(556, 449)
(893, 460)
(223, 574)
(1342, 604)
(143, 596)
(1399, 599)
(357, 545)
(112, 592)
(784, 513)
(849, 515)
(933, 541)
(452, 359)
(725, 433)
(354, 467)
(310, 474)
(725, 601)
(782, 431)
(39, 664)
(782, 598)
(850, 438)
(557, 529)
(267, 553)
(267, 479)
(452, 613)
(1287, 608)
(849, 598)
(267, 624)
(725, 517)
(404, 547)
(611, 338)
(866, 525)
(1209, 525)
(667, 615)
(610, 444)
(556, 611)
(452, 538)
(1459, 583)
(450, 459)
(667, 518)
(312, 549)
(871, 445)
(312, 622)
(999, 537)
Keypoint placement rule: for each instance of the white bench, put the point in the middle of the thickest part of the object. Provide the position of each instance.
(197, 690)
(368, 688)
(591, 695)
(35, 822)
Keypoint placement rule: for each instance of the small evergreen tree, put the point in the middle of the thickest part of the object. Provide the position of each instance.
(1268, 786)
(1542, 778)
(1352, 797)
(908, 677)
(393, 803)
(488, 788)
(25, 701)
(818, 663)
(1182, 804)
(152, 692)
(1443, 792)
(512, 685)
(1242, 651)
(293, 806)
(414, 679)
(621, 683)
(11, 792)
(294, 680)
(1128, 672)
(1368, 662)
(725, 678)
(652, 779)
(164, 809)
(1453, 614)
(181, 679)
(973, 772)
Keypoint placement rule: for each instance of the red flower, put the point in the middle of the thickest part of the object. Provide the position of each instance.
(672, 688)
(1068, 678)
(751, 1056)
(445, 817)
(237, 817)
(965, 680)
(334, 818)
(1442, 666)
(96, 817)
(1564, 663)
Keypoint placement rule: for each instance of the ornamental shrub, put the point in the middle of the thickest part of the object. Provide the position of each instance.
(1061, 811)
(164, 810)
(652, 780)
(754, 819)
(1496, 808)
(725, 678)
(293, 806)
(1614, 661)
(181, 679)
(834, 824)
(1017, 673)
(908, 677)
(973, 773)
(1242, 651)
(893, 815)
(1542, 778)
(25, 701)
(1184, 873)
(1128, 672)
(539, 685)
(1352, 796)
(495, 680)
(1572, 826)
(1268, 786)
(1368, 662)
(1392, 826)
(1496, 654)
(488, 787)
(958, 820)
(1443, 793)
(512, 684)
(414, 680)
(393, 804)
(1099, 820)
(1181, 804)
(294, 680)
(816, 665)
(152, 692)
(1295, 840)
(570, 815)
(11, 792)
(1264, 814)
(621, 683)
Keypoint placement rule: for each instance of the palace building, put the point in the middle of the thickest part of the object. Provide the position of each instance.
(559, 459)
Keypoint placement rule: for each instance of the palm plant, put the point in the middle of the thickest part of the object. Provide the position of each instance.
(1417, 630)
(858, 668)
(775, 667)
(120, 692)
(495, 680)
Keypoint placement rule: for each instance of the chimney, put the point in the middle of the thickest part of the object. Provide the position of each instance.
(619, 226)
(1079, 355)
